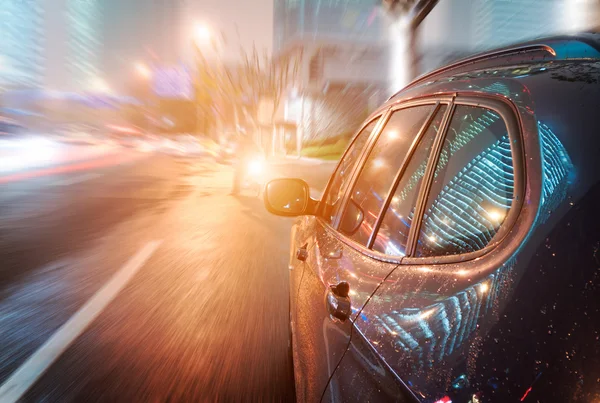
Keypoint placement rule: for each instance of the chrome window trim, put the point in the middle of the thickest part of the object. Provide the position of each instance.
(385, 114)
(377, 115)
(434, 154)
(404, 105)
(398, 176)
(359, 165)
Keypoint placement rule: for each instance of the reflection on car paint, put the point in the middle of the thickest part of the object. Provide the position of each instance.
(334, 262)
(431, 334)
(448, 331)
(556, 169)
(497, 88)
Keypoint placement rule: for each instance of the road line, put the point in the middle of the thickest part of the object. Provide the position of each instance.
(77, 179)
(23, 378)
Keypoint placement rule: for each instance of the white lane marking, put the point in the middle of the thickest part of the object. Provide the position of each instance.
(77, 179)
(27, 374)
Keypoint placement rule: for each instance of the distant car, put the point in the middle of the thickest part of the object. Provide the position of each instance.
(455, 254)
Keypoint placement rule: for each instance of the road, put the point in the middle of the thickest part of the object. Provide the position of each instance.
(137, 277)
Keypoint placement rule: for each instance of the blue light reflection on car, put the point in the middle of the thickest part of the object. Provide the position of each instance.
(429, 335)
(466, 135)
(557, 171)
(497, 88)
(457, 216)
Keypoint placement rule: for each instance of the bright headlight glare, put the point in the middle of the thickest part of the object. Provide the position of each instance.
(255, 167)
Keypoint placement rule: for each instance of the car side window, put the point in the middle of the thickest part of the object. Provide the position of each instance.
(473, 186)
(377, 175)
(332, 200)
(393, 232)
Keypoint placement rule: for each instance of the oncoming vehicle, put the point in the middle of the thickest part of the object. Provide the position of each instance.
(455, 254)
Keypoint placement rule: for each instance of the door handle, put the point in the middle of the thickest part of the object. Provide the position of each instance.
(302, 253)
(337, 302)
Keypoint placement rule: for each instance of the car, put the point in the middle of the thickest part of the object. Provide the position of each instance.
(455, 253)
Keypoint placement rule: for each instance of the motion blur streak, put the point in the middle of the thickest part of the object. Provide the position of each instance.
(14, 388)
(96, 163)
(204, 319)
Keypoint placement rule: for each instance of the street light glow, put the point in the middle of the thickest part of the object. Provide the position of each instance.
(99, 85)
(143, 70)
(202, 33)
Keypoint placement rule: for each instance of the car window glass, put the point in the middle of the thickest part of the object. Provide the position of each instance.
(393, 232)
(377, 175)
(331, 202)
(473, 185)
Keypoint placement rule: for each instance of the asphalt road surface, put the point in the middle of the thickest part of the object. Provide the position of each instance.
(142, 279)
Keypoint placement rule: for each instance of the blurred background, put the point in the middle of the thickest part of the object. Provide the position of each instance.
(119, 121)
(297, 73)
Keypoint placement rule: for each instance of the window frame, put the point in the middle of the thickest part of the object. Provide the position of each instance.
(379, 116)
(436, 104)
(407, 158)
(508, 113)
(384, 113)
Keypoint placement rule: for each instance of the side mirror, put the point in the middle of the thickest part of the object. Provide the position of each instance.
(288, 197)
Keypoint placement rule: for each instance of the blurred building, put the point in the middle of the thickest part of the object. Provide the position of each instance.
(141, 31)
(348, 20)
(84, 44)
(343, 56)
(21, 44)
(162, 26)
(50, 44)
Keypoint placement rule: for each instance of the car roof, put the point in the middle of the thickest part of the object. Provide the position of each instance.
(585, 46)
(557, 79)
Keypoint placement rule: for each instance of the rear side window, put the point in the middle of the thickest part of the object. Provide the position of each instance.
(339, 181)
(377, 175)
(473, 186)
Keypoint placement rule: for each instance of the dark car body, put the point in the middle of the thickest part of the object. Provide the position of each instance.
(472, 255)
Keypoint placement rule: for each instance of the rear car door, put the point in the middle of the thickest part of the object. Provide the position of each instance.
(337, 255)
(419, 335)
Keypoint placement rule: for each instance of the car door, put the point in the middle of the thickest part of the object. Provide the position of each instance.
(336, 257)
(362, 375)
(420, 333)
(303, 241)
(303, 229)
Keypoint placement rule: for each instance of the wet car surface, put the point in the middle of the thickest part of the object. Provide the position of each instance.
(454, 255)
